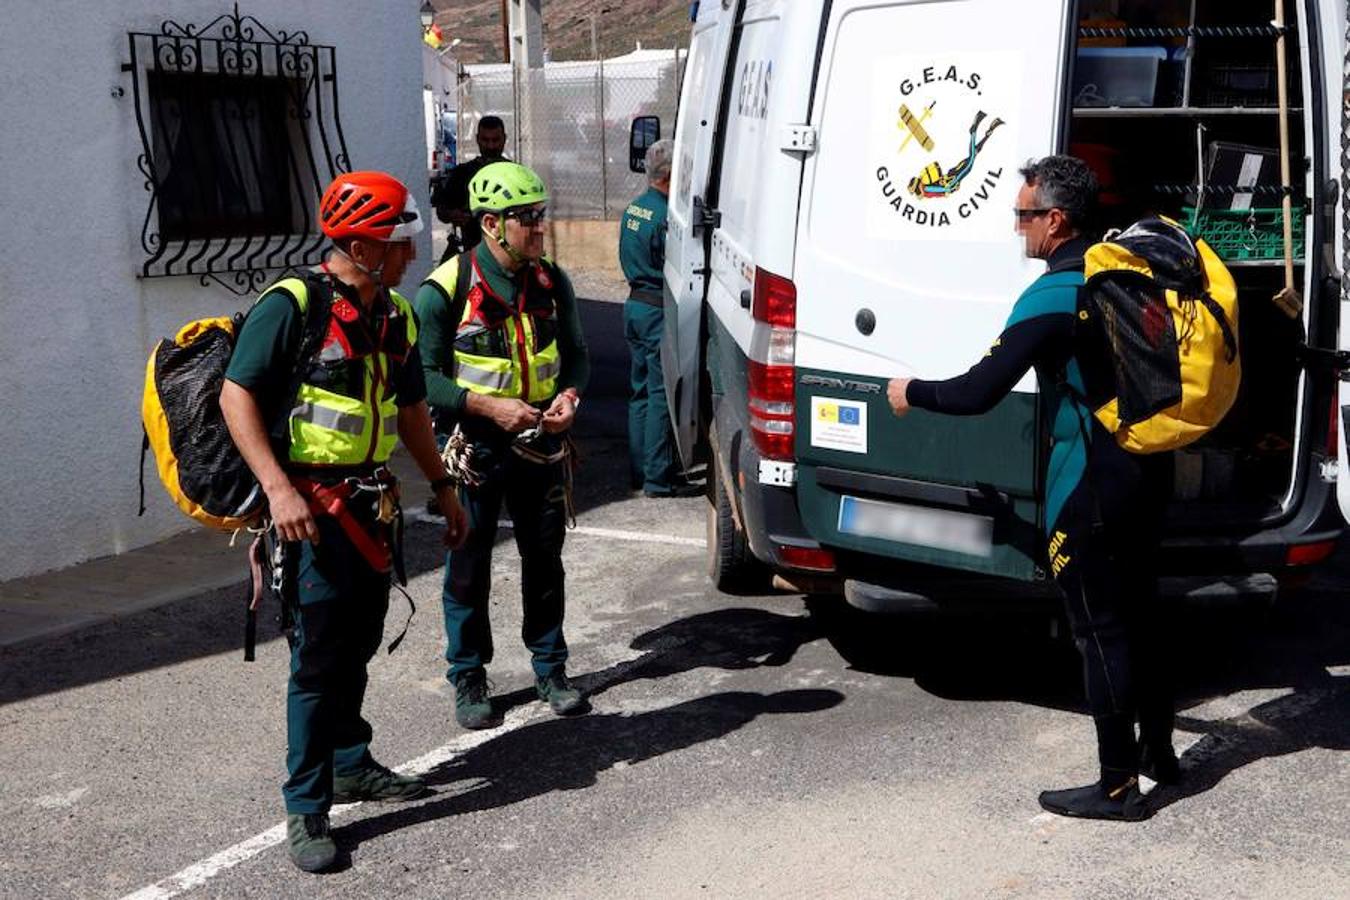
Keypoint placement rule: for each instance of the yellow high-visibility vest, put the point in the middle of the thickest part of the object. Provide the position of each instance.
(340, 418)
(504, 349)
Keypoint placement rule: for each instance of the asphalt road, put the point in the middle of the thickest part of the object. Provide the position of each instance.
(732, 752)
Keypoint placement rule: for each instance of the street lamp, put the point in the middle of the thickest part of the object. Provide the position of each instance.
(427, 15)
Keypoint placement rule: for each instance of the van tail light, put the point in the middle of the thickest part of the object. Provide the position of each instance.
(775, 300)
(772, 370)
(816, 559)
(1309, 554)
(1334, 428)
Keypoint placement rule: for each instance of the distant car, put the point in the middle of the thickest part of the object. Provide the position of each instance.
(444, 150)
(442, 160)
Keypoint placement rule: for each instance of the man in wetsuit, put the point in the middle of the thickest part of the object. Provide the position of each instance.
(1104, 506)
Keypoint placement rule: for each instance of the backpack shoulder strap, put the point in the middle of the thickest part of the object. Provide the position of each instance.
(313, 295)
(460, 295)
(316, 308)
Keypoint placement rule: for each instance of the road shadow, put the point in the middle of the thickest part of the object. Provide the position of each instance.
(213, 622)
(569, 754)
(1312, 717)
(1215, 653)
(728, 639)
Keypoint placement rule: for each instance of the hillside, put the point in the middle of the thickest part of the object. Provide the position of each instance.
(567, 26)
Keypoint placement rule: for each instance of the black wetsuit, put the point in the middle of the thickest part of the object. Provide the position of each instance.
(1104, 509)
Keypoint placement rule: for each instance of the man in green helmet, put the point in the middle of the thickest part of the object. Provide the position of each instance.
(505, 363)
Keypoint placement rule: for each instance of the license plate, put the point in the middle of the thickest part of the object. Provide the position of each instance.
(940, 529)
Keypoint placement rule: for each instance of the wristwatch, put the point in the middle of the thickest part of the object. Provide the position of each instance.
(443, 482)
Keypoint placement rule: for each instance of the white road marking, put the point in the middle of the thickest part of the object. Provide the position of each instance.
(197, 874)
(61, 801)
(641, 537)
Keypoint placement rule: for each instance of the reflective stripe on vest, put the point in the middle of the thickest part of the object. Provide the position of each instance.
(330, 419)
(523, 372)
(495, 375)
(330, 428)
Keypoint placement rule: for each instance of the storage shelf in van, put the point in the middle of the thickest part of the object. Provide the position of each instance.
(1178, 112)
(1256, 263)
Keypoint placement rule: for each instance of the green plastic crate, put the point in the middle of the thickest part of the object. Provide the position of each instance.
(1256, 233)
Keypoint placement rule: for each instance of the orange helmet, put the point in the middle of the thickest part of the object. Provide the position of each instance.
(371, 205)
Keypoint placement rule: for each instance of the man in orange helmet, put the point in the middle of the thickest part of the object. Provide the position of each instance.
(324, 380)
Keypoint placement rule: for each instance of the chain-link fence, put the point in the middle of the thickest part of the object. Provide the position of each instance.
(569, 121)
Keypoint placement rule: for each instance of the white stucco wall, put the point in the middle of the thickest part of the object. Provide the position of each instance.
(77, 324)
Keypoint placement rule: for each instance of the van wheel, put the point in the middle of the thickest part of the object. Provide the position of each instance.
(731, 566)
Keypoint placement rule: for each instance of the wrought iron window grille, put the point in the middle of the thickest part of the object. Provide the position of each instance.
(240, 133)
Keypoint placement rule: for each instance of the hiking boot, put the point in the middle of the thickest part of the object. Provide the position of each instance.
(375, 782)
(1122, 803)
(473, 707)
(681, 489)
(308, 842)
(557, 691)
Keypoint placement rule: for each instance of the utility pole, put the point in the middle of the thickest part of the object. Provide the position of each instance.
(506, 32)
(527, 70)
(526, 35)
(600, 97)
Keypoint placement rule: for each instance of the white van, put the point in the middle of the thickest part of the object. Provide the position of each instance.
(807, 264)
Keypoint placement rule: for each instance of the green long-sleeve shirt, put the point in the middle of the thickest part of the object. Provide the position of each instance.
(436, 333)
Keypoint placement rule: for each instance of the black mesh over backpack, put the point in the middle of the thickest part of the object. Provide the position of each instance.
(197, 460)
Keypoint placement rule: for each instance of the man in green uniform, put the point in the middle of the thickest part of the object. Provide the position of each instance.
(642, 254)
(330, 497)
(505, 362)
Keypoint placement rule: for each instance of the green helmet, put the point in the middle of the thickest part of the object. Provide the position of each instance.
(505, 185)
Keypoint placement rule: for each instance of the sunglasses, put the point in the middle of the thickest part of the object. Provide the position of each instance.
(528, 217)
(1025, 214)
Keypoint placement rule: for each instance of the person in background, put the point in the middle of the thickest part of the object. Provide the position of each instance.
(451, 197)
(642, 254)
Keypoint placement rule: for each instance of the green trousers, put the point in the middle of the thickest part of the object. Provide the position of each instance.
(651, 445)
(338, 627)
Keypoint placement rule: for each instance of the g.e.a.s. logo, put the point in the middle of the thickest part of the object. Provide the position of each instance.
(935, 174)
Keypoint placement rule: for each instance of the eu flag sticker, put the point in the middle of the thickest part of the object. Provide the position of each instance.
(839, 424)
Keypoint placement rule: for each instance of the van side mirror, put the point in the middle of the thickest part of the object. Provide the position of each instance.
(645, 131)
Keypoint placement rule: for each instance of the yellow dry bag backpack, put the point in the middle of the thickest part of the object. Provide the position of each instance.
(197, 460)
(1165, 307)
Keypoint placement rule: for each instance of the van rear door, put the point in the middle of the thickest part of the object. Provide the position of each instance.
(1335, 29)
(686, 232)
(908, 264)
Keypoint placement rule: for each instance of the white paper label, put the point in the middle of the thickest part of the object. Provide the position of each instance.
(839, 424)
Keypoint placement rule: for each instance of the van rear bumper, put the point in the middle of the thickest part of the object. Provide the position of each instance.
(768, 513)
(773, 522)
(1316, 522)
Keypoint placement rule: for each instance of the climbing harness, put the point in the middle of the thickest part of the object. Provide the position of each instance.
(274, 563)
(459, 452)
